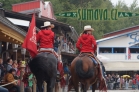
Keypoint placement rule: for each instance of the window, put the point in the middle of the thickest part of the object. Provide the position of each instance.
(119, 50)
(105, 50)
(134, 50)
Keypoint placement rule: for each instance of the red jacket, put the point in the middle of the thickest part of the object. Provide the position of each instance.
(86, 43)
(45, 38)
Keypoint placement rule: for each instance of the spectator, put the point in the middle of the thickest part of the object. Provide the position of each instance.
(2, 69)
(118, 81)
(9, 64)
(3, 89)
(30, 80)
(56, 44)
(15, 66)
(18, 70)
(121, 82)
(114, 82)
(15, 61)
(66, 70)
(30, 83)
(133, 83)
(71, 47)
(9, 77)
(65, 46)
(137, 81)
(108, 81)
(111, 82)
(126, 83)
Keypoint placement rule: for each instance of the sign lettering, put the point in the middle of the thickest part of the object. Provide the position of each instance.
(97, 14)
(33, 38)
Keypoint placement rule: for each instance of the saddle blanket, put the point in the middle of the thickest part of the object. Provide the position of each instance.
(94, 61)
(101, 66)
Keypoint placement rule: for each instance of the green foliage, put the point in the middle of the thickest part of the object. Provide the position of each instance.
(101, 26)
(7, 4)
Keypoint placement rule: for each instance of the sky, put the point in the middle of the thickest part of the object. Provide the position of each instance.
(128, 2)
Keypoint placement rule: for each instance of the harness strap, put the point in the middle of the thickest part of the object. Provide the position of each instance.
(95, 81)
(45, 51)
(94, 61)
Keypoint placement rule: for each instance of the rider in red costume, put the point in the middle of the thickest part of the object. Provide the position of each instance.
(87, 42)
(45, 38)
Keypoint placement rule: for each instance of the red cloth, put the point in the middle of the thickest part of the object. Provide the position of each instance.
(30, 41)
(129, 54)
(86, 43)
(60, 69)
(45, 38)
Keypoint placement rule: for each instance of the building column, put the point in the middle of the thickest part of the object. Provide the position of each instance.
(98, 52)
(14, 51)
(3, 49)
(34, 85)
(7, 53)
(23, 52)
(0, 48)
(112, 50)
(2, 10)
(22, 71)
(60, 48)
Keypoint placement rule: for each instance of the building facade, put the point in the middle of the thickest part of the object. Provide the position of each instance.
(15, 24)
(122, 49)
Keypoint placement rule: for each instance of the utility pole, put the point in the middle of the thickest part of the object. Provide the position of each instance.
(81, 20)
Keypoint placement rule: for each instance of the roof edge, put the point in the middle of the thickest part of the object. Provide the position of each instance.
(23, 2)
(112, 37)
(121, 30)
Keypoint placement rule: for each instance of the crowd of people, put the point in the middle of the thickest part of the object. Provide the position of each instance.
(10, 74)
(10, 70)
(115, 81)
(66, 46)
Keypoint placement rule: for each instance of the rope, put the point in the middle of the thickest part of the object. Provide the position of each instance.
(95, 81)
(8, 83)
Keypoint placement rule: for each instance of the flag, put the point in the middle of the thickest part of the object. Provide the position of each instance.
(129, 54)
(30, 42)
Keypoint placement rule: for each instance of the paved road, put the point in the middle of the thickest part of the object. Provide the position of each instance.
(119, 91)
(114, 91)
(130, 90)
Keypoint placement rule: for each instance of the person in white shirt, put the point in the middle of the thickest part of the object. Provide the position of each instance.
(118, 81)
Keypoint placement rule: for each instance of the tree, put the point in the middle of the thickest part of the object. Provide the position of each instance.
(101, 26)
(7, 4)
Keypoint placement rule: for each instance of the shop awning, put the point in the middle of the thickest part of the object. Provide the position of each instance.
(121, 66)
(19, 22)
(10, 32)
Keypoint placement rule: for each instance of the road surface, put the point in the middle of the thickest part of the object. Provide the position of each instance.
(119, 91)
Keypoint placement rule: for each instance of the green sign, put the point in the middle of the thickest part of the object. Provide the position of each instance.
(67, 14)
(97, 14)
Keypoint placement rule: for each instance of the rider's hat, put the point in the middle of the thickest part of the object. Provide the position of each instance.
(88, 28)
(47, 24)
